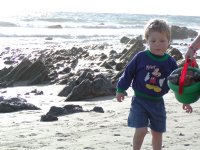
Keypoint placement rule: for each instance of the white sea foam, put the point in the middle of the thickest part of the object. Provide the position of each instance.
(29, 32)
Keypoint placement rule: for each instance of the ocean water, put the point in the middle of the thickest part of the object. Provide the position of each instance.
(31, 30)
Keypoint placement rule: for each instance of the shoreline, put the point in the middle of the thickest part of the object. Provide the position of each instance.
(42, 33)
(91, 130)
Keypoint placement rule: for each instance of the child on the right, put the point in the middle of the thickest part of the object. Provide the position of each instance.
(147, 73)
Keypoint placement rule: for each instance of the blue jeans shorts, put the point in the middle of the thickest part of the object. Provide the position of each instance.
(147, 113)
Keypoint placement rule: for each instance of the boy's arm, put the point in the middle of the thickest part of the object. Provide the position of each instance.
(125, 80)
(127, 76)
(120, 96)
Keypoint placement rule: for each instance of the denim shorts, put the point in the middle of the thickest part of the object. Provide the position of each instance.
(147, 113)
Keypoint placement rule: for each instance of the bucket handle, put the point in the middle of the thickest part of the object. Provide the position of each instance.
(187, 63)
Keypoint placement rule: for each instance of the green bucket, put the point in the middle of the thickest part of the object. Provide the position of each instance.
(190, 93)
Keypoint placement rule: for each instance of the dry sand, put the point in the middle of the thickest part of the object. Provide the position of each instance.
(91, 130)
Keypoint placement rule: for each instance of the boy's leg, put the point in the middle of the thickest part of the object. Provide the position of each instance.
(139, 137)
(156, 140)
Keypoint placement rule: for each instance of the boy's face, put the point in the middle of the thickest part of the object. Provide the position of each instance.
(158, 43)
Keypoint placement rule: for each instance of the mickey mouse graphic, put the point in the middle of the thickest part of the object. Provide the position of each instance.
(152, 80)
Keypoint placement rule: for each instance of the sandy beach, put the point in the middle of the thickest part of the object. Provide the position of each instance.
(32, 36)
(91, 130)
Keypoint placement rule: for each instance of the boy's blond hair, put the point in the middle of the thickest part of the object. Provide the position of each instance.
(157, 25)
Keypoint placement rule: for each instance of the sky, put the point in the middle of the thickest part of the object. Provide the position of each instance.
(160, 7)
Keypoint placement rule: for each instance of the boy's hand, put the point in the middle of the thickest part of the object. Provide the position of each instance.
(120, 96)
(187, 108)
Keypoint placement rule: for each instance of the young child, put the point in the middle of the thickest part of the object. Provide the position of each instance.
(147, 73)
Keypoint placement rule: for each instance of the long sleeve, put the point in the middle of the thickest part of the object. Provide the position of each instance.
(127, 76)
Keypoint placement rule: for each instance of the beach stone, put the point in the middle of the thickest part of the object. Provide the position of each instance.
(37, 92)
(178, 32)
(87, 89)
(80, 92)
(124, 40)
(71, 108)
(98, 109)
(174, 78)
(5, 71)
(57, 111)
(135, 48)
(9, 62)
(66, 110)
(87, 85)
(111, 62)
(190, 78)
(48, 117)
(15, 104)
(67, 89)
(106, 65)
(55, 26)
(175, 53)
(112, 52)
(26, 73)
(103, 56)
(49, 38)
(119, 66)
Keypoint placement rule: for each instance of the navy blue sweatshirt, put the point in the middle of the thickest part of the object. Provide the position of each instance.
(147, 74)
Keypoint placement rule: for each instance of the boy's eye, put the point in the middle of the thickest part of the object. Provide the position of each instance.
(161, 41)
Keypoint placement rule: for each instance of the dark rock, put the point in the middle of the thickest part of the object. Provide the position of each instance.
(46, 118)
(66, 110)
(57, 111)
(98, 109)
(124, 40)
(73, 108)
(26, 73)
(174, 78)
(49, 38)
(15, 104)
(175, 53)
(103, 56)
(138, 46)
(182, 32)
(81, 91)
(119, 66)
(106, 65)
(87, 89)
(55, 26)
